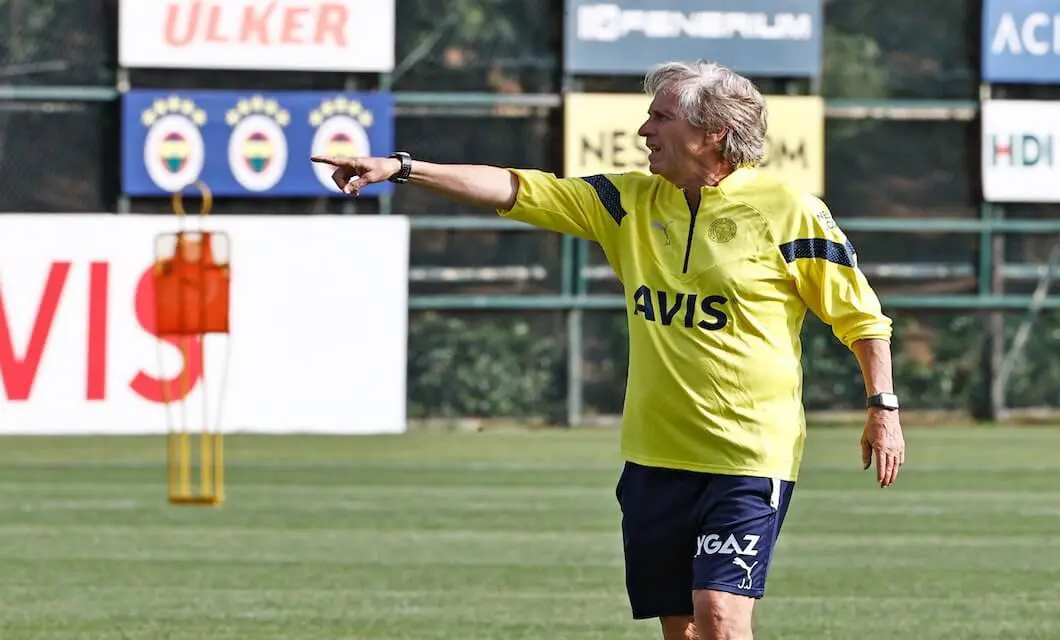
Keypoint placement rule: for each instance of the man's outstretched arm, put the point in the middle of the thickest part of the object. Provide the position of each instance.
(588, 208)
(479, 185)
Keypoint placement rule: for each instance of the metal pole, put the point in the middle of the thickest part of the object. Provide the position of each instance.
(386, 201)
(575, 398)
(349, 205)
(996, 330)
(990, 278)
(122, 84)
(573, 248)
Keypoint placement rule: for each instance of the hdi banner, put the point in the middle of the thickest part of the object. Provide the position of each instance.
(1019, 155)
(601, 136)
(1021, 41)
(753, 37)
(248, 143)
(296, 35)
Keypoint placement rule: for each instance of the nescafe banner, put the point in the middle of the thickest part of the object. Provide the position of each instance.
(248, 144)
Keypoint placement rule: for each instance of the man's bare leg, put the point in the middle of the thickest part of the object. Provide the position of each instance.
(678, 628)
(723, 616)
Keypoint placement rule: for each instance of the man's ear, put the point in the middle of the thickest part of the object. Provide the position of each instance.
(716, 138)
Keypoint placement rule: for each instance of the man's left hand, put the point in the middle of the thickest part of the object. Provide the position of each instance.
(883, 438)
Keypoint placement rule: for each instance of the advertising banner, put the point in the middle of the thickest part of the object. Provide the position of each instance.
(601, 136)
(1021, 41)
(318, 327)
(346, 36)
(1019, 158)
(753, 37)
(249, 144)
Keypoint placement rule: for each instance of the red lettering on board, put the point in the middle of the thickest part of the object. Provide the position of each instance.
(204, 21)
(98, 296)
(183, 383)
(19, 373)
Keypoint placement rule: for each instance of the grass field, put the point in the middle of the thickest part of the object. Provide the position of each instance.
(505, 536)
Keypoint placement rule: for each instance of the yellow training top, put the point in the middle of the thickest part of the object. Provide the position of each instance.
(715, 303)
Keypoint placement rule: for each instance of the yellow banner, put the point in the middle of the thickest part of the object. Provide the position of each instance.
(601, 136)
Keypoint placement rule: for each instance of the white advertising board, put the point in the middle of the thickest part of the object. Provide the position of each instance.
(1019, 153)
(317, 344)
(296, 35)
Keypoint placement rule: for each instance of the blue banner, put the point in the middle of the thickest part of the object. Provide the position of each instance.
(752, 37)
(249, 144)
(1021, 41)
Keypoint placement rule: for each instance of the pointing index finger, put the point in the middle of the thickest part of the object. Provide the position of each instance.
(332, 160)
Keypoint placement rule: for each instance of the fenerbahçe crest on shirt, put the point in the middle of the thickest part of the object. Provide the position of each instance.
(341, 130)
(257, 146)
(174, 151)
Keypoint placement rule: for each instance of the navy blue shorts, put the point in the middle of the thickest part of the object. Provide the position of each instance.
(683, 530)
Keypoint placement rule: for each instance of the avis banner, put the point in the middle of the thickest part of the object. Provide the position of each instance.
(601, 136)
(754, 37)
(318, 327)
(1021, 41)
(1019, 155)
(347, 36)
(248, 144)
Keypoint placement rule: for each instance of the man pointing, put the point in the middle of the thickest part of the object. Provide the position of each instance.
(713, 424)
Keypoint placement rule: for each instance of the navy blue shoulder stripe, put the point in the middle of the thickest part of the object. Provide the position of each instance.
(609, 196)
(803, 248)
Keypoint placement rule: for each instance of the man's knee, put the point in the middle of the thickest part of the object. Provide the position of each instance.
(723, 616)
(678, 628)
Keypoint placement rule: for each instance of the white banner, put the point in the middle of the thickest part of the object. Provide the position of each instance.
(1019, 155)
(319, 308)
(297, 35)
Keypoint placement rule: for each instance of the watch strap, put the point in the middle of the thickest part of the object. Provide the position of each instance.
(883, 401)
(402, 176)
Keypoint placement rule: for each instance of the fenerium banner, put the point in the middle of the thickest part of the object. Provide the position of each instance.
(248, 144)
(753, 37)
(601, 136)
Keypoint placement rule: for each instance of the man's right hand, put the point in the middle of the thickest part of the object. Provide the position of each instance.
(479, 185)
(353, 174)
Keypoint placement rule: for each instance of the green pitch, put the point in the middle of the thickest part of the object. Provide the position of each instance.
(505, 536)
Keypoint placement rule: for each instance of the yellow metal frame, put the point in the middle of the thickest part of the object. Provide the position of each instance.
(180, 463)
(180, 466)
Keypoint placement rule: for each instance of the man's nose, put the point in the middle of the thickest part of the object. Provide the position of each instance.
(645, 129)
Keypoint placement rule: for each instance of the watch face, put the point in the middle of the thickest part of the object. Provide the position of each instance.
(885, 400)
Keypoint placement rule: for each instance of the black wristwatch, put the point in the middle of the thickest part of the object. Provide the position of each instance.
(887, 401)
(402, 176)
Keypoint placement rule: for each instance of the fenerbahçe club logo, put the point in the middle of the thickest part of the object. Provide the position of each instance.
(341, 130)
(257, 146)
(173, 150)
